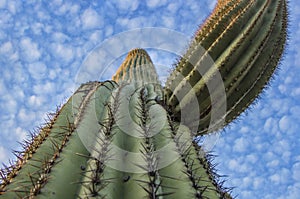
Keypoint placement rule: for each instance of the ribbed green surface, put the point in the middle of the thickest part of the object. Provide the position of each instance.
(176, 167)
(137, 67)
(54, 154)
(244, 40)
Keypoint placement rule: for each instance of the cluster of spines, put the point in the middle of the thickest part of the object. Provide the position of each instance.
(152, 184)
(31, 172)
(162, 181)
(195, 162)
(239, 42)
(94, 180)
(30, 145)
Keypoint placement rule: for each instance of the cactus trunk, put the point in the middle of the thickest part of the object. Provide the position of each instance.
(132, 138)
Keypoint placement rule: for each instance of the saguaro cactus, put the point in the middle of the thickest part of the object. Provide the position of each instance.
(130, 138)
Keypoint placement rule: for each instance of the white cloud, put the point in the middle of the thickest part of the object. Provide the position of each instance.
(275, 178)
(37, 28)
(3, 154)
(30, 50)
(109, 30)
(62, 9)
(59, 37)
(9, 104)
(258, 183)
(127, 5)
(293, 192)
(8, 51)
(14, 6)
(36, 101)
(296, 92)
(2, 87)
(168, 22)
(273, 163)
(37, 70)
(173, 7)
(155, 3)
(21, 133)
(45, 88)
(90, 19)
(2, 3)
(57, 2)
(296, 171)
(74, 9)
(63, 52)
(6, 48)
(252, 158)
(97, 35)
(269, 125)
(240, 145)
(282, 88)
(136, 22)
(233, 164)
(286, 124)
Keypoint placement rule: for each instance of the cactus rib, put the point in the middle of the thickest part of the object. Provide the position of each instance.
(37, 165)
(237, 58)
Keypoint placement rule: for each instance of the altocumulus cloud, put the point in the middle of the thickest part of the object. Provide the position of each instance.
(43, 44)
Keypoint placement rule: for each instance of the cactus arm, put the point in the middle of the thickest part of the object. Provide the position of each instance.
(273, 49)
(257, 71)
(239, 51)
(255, 64)
(207, 36)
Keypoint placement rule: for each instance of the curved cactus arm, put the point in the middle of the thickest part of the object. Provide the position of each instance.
(245, 40)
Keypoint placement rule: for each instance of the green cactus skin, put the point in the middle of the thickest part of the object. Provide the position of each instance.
(58, 165)
(55, 143)
(77, 153)
(245, 39)
(133, 68)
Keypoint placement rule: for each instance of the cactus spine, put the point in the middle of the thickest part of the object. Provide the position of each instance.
(245, 39)
(109, 139)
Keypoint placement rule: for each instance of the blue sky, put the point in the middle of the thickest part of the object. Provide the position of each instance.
(43, 45)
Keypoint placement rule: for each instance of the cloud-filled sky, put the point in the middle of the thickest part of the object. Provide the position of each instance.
(44, 45)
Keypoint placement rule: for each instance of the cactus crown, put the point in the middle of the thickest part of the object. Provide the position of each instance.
(137, 67)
